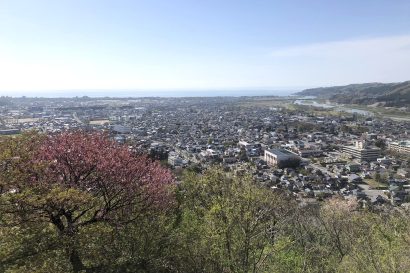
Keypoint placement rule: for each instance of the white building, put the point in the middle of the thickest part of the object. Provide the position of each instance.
(361, 151)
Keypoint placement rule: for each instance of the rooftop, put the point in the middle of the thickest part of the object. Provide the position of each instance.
(281, 152)
(404, 143)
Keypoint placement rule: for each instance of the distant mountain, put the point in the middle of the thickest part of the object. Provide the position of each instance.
(386, 94)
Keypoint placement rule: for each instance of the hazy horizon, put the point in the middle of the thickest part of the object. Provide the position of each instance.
(121, 93)
(208, 45)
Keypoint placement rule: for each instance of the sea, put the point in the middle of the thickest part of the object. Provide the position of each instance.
(149, 93)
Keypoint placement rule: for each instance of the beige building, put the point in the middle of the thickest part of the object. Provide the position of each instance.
(361, 151)
(401, 146)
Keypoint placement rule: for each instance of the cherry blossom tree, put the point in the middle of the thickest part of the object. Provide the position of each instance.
(76, 179)
(114, 179)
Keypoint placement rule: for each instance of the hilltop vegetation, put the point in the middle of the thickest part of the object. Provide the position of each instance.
(384, 94)
(81, 203)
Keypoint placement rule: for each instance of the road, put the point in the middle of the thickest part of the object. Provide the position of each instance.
(77, 119)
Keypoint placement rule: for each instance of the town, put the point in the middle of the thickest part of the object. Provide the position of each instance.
(309, 152)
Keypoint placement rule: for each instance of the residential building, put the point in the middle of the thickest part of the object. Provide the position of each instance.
(401, 146)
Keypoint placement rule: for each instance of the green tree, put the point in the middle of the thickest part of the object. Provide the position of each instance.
(380, 243)
(380, 143)
(229, 223)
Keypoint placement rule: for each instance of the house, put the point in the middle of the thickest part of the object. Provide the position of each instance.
(403, 173)
(354, 178)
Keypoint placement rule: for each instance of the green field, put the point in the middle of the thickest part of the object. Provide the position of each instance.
(373, 183)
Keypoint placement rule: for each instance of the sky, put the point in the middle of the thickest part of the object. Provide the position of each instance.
(81, 45)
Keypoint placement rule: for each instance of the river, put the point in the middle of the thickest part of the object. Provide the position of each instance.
(334, 106)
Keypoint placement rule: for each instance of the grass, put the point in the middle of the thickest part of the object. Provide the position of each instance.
(266, 102)
(4, 137)
(373, 183)
(382, 112)
(378, 111)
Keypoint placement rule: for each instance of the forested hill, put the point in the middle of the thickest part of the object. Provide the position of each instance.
(386, 94)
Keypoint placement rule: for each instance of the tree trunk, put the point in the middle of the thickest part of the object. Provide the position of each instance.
(75, 260)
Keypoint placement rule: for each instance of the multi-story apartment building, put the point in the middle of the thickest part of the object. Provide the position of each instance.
(361, 151)
(400, 146)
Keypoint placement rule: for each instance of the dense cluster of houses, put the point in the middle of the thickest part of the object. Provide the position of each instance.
(310, 155)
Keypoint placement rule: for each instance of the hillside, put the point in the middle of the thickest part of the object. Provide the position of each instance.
(386, 94)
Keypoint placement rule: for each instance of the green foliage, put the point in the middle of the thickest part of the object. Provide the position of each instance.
(381, 143)
(230, 221)
(392, 94)
(380, 244)
(381, 178)
(219, 222)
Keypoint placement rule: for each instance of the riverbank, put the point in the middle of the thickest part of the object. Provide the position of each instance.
(379, 111)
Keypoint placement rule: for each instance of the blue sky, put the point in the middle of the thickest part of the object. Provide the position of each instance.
(48, 45)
